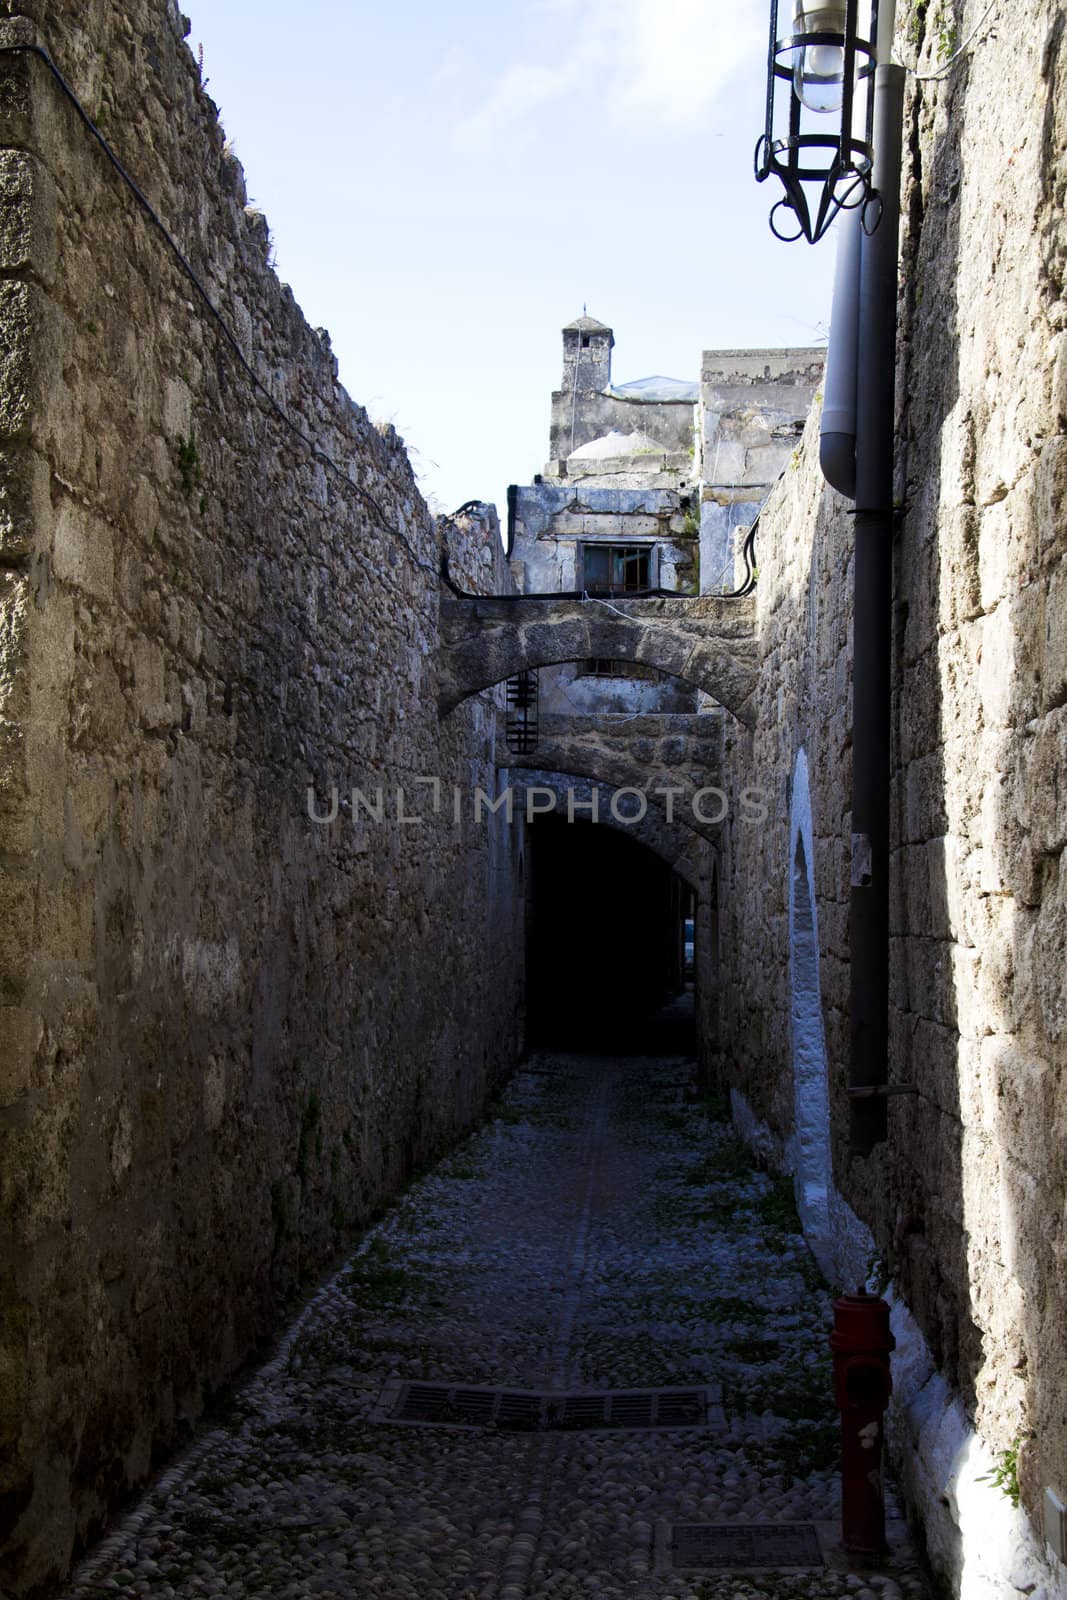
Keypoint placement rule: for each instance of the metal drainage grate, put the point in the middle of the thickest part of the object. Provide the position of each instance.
(533, 1411)
(722, 1546)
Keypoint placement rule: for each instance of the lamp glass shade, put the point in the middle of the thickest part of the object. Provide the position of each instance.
(819, 67)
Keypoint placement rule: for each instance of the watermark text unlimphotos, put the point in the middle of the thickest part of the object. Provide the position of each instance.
(423, 798)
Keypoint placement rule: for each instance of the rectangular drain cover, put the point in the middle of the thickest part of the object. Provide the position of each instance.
(533, 1411)
(723, 1546)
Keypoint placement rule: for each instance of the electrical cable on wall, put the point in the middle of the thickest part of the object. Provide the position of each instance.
(214, 313)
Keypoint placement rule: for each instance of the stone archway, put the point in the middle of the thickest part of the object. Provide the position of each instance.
(679, 847)
(675, 756)
(708, 642)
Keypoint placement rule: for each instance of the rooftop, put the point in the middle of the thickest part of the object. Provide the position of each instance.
(655, 390)
(584, 324)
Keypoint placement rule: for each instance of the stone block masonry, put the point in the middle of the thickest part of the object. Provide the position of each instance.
(966, 1200)
(226, 1031)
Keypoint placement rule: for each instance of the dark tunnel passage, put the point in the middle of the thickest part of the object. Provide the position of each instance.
(609, 944)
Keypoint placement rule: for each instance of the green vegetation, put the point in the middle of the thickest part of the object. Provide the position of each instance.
(795, 1390)
(716, 1104)
(189, 465)
(497, 1111)
(1005, 1475)
(777, 1207)
(376, 1286)
(795, 1455)
(946, 29)
(727, 1164)
(462, 1171)
(947, 36)
(374, 1281)
(759, 1349)
(730, 1308)
(917, 21)
(617, 1360)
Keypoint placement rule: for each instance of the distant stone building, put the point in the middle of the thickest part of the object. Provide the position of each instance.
(589, 410)
(647, 487)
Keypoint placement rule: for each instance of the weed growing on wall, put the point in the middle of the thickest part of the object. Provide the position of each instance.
(188, 465)
(1005, 1475)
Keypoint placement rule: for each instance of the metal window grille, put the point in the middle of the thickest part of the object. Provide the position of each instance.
(615, 568)
(612, 667)
(521, 726)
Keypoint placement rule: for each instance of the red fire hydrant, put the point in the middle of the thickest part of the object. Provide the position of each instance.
(861, 1342)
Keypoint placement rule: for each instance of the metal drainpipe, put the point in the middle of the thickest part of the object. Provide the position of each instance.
(837, 443)
(872, 617)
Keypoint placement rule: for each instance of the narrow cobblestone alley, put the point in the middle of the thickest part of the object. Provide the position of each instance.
(601, 1231)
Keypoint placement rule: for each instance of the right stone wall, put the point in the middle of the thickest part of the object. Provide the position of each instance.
(966, 1200)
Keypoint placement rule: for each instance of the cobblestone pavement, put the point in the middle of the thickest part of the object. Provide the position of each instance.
(600, 1231)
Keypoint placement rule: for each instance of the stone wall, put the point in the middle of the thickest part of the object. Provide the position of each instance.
(228, 1031)
(553, 521)
(803, 600)
(966, 1200)
(553, 525)
(752, 409)
(679, 756)
(684, 851)
(668, 424)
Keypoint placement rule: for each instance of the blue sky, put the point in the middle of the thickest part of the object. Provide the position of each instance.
(447, 185)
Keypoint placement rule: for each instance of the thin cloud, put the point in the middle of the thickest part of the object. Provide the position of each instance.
(518, 92)
(664, 60)
(676, 56)
(453, 68)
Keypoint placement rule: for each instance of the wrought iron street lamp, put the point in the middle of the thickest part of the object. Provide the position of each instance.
(820, 68)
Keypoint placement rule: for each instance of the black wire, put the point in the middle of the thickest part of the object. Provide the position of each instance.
(748, 582)
(551, 594)
(213, 310)
(569, 594)
(583, 594)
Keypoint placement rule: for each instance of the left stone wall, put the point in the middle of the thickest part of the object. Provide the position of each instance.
(227, 1031)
